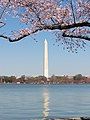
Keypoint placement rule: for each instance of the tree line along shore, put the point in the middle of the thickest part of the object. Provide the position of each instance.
(77, 79)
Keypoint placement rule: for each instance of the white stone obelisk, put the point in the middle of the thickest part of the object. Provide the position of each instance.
(45, 68)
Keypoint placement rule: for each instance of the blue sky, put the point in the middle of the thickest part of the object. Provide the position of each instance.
(26, 56)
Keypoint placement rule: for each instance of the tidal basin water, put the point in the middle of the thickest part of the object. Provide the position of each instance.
(35, 102)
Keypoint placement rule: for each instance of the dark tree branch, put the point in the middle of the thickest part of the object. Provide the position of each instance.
(14, 40)
(76, 36)
(2, 24)
(63, 27)
(4, 9)
(72, 10)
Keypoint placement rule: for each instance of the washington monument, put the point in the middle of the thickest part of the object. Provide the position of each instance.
(45, 68)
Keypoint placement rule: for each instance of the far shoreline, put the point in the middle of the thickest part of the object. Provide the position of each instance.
(58, 80)
(44, 83)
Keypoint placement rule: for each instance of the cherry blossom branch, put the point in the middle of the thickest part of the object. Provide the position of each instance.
(18, 38)
(52, 27)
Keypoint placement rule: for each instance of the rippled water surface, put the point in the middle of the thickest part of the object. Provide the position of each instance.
(34, 102)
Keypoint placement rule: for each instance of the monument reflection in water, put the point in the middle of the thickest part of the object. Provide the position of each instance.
(45, 103)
